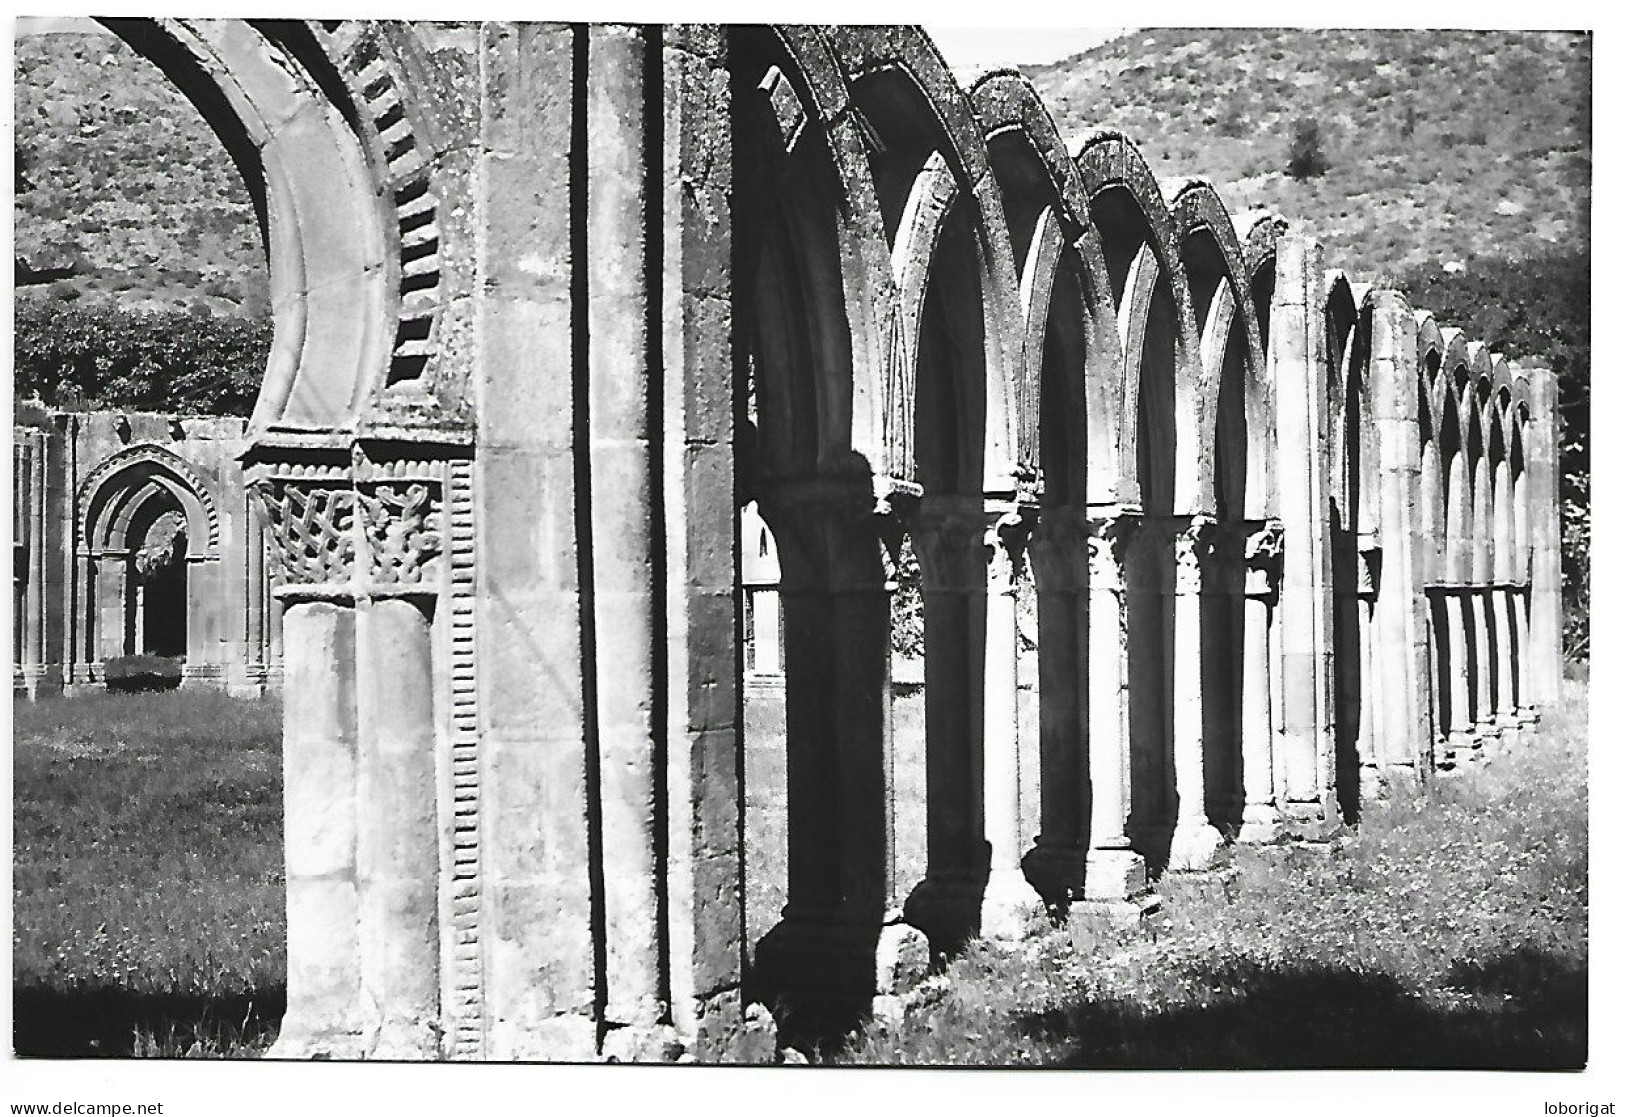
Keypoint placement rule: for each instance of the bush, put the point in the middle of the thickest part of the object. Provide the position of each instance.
(1306, 159)
(143, 672)
(159, 360)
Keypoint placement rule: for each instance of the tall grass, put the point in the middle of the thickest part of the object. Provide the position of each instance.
(148, 874)
(1450, 931)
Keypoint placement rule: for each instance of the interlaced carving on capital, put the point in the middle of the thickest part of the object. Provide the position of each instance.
(1192, 548)
(402, 523)
(311, 522)
(1368, 572)
(1263, 558)
(1108, 546)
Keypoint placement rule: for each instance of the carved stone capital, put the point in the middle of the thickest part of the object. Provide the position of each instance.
(1005, 546)
(1368, 572)
(830, 538)
(310, 519)
(401, 504)
(1263, 558)
(1109, 536)
(1192, 547)
(1059, 549)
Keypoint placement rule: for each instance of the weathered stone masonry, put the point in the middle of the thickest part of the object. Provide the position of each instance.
(554, 302)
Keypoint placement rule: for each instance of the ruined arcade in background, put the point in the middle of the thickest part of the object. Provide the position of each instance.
(554, 303)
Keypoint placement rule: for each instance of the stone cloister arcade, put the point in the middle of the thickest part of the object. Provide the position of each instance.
(554, 302)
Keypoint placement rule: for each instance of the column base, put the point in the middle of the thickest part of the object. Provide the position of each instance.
(1056, 870)
(570, 1037)
(816, 973)
(295, 1042)
(1261, 824)
(1510, 729)
(1088, 917)
(1311, 822)
(948, 908)
(1114, 874)
(403, 1041)
(1196, 847)
(1372, 784)
(642, 1043)
(1528, 716)
(1458, 747)
(1401, 779)
(1011, 908)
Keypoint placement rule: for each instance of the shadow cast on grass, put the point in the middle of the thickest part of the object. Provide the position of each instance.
(1522, 1011)
(103, 1022)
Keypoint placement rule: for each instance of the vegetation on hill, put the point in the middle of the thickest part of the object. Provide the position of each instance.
(121, 182)
(1441, 145)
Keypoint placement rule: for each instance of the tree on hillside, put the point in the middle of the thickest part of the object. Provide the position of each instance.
(1306, 158)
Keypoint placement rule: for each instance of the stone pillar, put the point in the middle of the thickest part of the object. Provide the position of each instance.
(112, 571)
(254, 650)
(1196, 841)
(766, 612)
(1546, 532)
(1369, 574)
(1400, 644)
(86, 620)
(1113, 870)
(1528, 711)
(34, 592)
(1297, 359)
(1261, 819)
(820, 958)
(1485, 730)
(397, 841)
(1008, 901)
(315, 525)
(1502, 601)
(319, 787)
(1060, 557)
(1459, 741)
(623, 550)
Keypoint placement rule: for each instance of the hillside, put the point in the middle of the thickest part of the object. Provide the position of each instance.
(1443, 145)
(121, 182)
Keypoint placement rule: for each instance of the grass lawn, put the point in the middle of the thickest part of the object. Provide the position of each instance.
(148, 908)
(1451, 931)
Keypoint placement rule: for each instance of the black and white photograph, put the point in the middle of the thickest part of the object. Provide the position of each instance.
(777, 549)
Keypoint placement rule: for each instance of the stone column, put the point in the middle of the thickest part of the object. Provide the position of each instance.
(765, 613)
(1485, 730)
(1506, 714)
(34, 594)
(1113, 870)
(86, 619)
(1298, 364)
(1261, 819)
(398, 727)
(254, 651)
(1369, 573)
(1060, 557)
(112, 570)
(821, 956)
(1528, 711)
(1008, 901)
(621, 358)
(1459, 741)
(314, 521)
(1196, 841)
(1546, 534)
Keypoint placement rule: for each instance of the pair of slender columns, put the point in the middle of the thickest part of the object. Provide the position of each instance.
(362, 839)
(971, 556)
(1196, 843)
(1261, 818)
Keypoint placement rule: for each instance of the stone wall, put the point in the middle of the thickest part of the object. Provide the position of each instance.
(134, 534)
(624, 281)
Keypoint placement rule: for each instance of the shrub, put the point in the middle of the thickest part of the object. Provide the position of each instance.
(1306, 159)
(143, 672)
